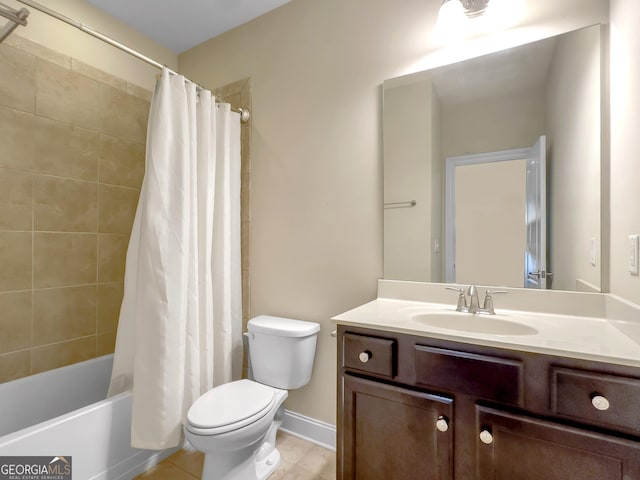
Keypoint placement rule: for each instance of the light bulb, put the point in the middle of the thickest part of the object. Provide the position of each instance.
(452, 21)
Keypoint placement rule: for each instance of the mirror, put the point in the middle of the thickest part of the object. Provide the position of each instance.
(463, 201)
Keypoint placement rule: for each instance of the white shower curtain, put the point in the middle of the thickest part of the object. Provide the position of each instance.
(181, 317)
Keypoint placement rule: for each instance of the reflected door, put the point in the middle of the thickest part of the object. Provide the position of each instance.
(536, 275)
(495, 219)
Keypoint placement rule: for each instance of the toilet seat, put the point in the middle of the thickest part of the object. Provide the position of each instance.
(229, 407)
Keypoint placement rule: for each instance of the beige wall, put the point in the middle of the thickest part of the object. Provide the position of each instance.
(497, 123)
(408, 176)
(71, 166)
(625, 166)
(65, 39)
(573, 141)
(316, 176)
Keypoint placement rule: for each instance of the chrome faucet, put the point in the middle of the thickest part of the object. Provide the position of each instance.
(473, 306)
(474, 302)
(463, 306)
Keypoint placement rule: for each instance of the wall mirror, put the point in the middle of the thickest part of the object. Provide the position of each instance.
(492, 168)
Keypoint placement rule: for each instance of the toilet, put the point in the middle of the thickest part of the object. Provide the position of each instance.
(235, 424)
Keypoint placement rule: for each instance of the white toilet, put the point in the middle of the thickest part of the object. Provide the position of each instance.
(235, 424)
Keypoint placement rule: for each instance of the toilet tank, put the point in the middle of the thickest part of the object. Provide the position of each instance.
(282, 350)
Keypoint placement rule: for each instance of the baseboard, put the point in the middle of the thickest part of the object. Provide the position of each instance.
(315, 431)
(135, 465)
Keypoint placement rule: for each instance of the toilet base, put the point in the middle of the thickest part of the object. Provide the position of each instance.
(268, 465)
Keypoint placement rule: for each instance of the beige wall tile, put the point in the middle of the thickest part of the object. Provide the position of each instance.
(64, 353)
(112, 256)
(64, 95)
(16, 41)
(117, 208)
(106, 343)
(16, 200)
(109, 301)
(64, 150)
(123, 115)
(64, 259)
(15, 258)
(16, 138)
(99, 75)
(15, 321)
(18, 79)
(15, 365)
(63, 314)
(63, 205)
(137, 91)
(121, 161)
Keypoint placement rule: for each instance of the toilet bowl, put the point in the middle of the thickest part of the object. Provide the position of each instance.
(235, 424)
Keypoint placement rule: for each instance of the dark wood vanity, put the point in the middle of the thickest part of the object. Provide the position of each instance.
(413, 407)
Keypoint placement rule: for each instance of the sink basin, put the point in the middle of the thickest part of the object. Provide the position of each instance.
(466, 322)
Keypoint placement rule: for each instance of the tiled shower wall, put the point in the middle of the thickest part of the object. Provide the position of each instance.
(72, 142)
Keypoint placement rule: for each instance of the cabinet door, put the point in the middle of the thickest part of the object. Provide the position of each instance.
(393, 433)
(515, 447)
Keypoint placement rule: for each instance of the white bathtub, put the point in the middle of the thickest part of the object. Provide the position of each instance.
(64, 412)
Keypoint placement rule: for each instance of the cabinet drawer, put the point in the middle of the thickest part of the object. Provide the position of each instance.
(369, 354)
(484, 377)
(617, 405)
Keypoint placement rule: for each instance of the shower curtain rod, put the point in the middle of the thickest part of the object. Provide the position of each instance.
(244, 113)
(15, 17)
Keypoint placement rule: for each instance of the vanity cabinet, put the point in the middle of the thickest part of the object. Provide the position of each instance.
(412, 407)
(396, 432)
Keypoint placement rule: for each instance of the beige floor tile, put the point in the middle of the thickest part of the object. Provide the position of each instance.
(283, 469)
(291, 448)
(300, 460)
(301, 473)
(320, 461)
(189, 460)
(166, 471)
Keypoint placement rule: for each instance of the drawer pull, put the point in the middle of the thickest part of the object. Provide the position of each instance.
(486, 437)
(365, 356)
(442, 423)
(600, 402)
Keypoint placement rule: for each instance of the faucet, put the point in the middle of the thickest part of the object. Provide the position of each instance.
(463, 306)
(474, 303)
(487, 306)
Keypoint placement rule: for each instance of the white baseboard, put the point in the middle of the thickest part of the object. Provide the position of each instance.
(315, 431)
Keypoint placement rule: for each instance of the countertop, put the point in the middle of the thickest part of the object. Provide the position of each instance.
(574, 336)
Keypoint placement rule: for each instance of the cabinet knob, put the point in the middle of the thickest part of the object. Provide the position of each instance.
(486, 437)
(442, 423)
(365, 356)
(600, 402)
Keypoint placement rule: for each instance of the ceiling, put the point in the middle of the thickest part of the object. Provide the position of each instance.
(180, 25)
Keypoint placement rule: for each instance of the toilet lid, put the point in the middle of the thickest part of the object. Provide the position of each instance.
(230, 403)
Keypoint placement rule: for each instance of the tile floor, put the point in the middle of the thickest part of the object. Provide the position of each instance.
(301, 460)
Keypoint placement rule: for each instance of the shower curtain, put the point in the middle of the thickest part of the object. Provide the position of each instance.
(181, 316)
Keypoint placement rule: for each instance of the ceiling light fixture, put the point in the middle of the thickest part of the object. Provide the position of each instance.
(461, 18)
(471, 8)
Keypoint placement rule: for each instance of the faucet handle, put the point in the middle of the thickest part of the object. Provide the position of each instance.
(488, 300)
(462, 299)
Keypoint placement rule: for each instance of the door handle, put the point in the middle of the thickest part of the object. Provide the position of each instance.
(540, 274)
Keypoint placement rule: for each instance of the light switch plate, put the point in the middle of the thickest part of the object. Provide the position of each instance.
(634, 240)
(592, 251)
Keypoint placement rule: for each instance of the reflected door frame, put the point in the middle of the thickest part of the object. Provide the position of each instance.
(451, 163)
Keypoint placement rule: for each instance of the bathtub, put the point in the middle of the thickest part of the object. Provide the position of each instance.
(65, 412)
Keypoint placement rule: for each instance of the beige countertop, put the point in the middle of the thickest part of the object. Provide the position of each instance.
(576, 336)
